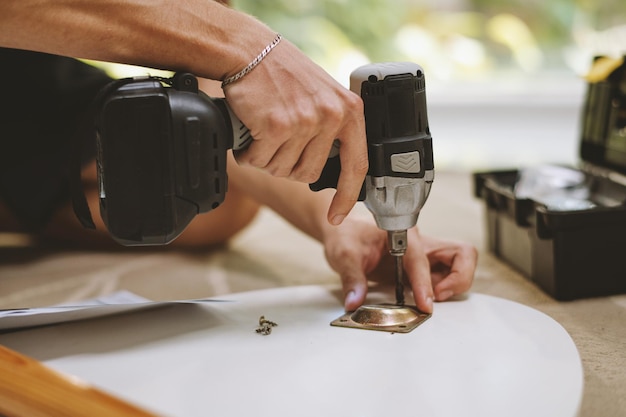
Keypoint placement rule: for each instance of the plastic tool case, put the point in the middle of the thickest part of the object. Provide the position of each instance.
(565, 228)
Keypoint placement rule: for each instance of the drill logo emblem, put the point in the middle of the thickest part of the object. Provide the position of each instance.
(406, 162)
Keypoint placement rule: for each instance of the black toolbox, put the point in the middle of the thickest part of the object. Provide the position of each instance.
(565, 228)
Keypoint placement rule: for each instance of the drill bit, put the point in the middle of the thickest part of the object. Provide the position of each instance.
(397, 247)
(399, 281)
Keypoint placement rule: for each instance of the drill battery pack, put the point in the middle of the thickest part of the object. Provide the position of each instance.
(564, 228)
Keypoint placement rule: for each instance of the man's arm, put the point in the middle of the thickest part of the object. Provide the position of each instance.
(204, 37)
(293, 108)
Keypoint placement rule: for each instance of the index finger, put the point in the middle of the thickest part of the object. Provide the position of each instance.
(354, 165)
(417, 268)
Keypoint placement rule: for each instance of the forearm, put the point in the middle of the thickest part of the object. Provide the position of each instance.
(293, 201)
(201, 36)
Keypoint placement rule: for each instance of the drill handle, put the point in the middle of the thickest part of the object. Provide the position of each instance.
(330, 176)
(242, 138)
(241, 134)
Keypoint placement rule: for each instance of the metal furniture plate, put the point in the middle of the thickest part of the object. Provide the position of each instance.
(383, 317)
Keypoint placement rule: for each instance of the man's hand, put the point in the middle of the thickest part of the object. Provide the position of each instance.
(295, 111)
(293, 108)
(436, 269)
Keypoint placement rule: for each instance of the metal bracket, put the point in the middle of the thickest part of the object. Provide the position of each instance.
(383, 317)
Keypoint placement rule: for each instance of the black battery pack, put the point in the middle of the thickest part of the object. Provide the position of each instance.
(562, 227)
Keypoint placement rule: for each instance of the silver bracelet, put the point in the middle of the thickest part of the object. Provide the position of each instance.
(254, 62)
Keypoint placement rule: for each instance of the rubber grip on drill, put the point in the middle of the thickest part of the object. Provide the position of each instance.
(330, 177)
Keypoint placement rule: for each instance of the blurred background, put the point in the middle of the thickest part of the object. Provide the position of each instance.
(504, 77)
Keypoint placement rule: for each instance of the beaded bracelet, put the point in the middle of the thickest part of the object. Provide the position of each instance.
(254, 62)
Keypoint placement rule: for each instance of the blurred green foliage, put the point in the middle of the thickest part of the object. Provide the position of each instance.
(458, 36)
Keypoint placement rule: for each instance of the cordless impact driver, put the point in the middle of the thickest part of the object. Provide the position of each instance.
(161, 155)
(401, 168)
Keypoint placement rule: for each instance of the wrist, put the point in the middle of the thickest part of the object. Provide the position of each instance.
(256, 61)
(236, 49)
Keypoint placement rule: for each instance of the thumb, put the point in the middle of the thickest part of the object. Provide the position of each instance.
(354, 289)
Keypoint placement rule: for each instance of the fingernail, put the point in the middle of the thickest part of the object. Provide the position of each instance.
(350, 299)
(429, 304)
(338, 219)
(444, 295)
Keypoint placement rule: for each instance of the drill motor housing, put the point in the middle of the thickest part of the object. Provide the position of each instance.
(161, 156)
(400, 149)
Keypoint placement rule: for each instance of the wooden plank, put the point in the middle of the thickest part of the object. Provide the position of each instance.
(30, 389)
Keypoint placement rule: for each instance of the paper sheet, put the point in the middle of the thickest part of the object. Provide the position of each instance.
(114, 303)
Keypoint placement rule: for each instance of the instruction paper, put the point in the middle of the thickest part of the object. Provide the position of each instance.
(114, 303)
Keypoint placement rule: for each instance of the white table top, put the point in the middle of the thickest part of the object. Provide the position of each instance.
(480, 356)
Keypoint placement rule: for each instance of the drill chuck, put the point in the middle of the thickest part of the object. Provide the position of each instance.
(396, 202)
(397, 240)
